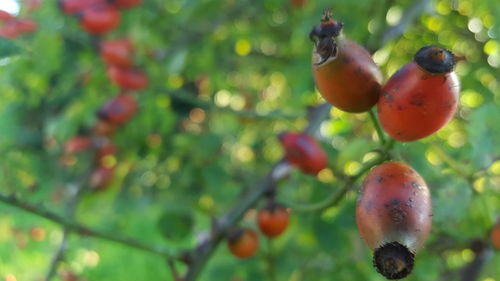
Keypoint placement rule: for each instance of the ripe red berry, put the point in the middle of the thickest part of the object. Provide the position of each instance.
(421, 97)
(243, 243)
(117, 52)
(393, 215)
(126, 4)
(128, 78)
(119, 110)
(304, 152)
(100, 19)
(77, 144)
(345, 74)
(273, 220)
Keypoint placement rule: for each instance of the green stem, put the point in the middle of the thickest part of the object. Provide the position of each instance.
(378, 128)
(334, 198)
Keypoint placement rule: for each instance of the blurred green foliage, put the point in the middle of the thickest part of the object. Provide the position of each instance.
(225, 77)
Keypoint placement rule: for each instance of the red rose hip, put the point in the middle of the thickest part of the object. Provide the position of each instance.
(273, 220)
(393, 215)
(243, 243)
(344, 72)
(421, 97)
(119, 110)
(304, 152)
(117, 52)
(100, 19)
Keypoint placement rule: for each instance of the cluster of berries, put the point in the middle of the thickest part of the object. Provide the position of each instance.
(98, 17)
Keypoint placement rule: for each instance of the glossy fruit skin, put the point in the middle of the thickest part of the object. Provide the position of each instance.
(495, 235)
(273, 220)
(394, 206)
(119, 110)
(128, 78)
(304, 152)
(126, 4)
(415, 104)
(351, 81)
(245, 244)
(100, 19)
(117, 52)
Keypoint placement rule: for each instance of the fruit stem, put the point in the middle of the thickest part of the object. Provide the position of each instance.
(378, 128)
(336, 197)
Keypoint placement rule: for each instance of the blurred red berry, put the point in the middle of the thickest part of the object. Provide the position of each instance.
(100, 19)
(117, 52)
(304, 152)
(128, 78)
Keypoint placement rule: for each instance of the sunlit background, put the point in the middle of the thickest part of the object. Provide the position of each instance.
(10, 6)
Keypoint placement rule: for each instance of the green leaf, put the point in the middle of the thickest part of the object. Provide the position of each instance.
(175, 224)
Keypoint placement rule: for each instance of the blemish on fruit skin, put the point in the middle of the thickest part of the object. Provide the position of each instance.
(410, 202)
(416, 185)
(368, 206)
(417, 103)
(388, 97)
(396, 213)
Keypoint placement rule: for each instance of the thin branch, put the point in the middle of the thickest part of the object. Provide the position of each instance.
(84, 230)
(58, 256)
(77, 190)
(279, 171)
(378, 128)
(472, 270)
(336, 197)
(173, 269)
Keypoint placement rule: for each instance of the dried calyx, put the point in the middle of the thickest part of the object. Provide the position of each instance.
(323, 35)
(393, 260)
(435, 59)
